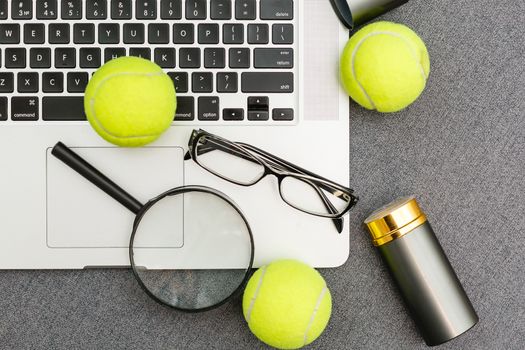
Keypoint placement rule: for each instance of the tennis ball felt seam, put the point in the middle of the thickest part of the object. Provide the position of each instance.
(358, 45)
(254, 296)
(99, 86)
(314, 313)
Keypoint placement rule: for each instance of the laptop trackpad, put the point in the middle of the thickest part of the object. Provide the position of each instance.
(79, 215)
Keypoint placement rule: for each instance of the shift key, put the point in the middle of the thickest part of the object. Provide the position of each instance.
(63, 108)
(277, 82)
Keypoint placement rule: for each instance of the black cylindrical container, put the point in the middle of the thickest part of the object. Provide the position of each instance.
(437, 301)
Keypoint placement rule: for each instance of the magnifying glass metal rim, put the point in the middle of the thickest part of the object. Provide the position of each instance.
(177, 191)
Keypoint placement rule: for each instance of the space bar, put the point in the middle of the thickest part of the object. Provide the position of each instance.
(58, 108)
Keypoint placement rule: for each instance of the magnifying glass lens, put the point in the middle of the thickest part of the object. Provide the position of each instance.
(191, 250)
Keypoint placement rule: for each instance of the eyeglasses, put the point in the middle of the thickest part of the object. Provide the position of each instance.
(246, 165)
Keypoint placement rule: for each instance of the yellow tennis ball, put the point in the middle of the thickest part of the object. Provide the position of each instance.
(287, 304)
(385, 66)
(130, 101)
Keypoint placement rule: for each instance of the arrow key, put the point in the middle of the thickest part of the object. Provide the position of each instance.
(282, 114)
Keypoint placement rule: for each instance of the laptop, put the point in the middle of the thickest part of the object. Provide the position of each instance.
(264, 72)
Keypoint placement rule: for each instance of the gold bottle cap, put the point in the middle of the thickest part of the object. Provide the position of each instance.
(394, 220)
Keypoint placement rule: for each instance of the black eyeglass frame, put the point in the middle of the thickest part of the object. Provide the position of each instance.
(278, 167)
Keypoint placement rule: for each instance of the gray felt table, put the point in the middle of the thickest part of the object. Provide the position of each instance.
(460, 149)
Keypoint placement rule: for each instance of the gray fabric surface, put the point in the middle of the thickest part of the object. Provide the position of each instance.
(459, 149)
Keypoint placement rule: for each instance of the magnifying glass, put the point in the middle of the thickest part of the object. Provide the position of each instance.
(216, 258)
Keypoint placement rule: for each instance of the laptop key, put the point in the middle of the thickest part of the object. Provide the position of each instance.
(189, 57)
(7, 82)
(233, 33)
(245, 9)
(208, 33)
(15, 57)
(277, 9)
(239, 58)
(158, 33)
(284, 114)
(63, 108)
(108, 33)
(202, 82)
(258, 34)
(24, 108)
(221, 9)
(113, 52)
(214, 58)
(22, 9)
(195, 9)
(171, 9)
(52, 82)
(180, 81)
(27, 82)
(46, 9)
(65, 57)
(84, 33)
(227, 82)
(89, 57)
(142, 52)
(40, 57)
(71, 9)
(133, 33)
(208, 108)
(183, 33)
(59, 33)
(3, 11)
(9, 33)
(233, 114)
(121, 9)
(34, 33)
(282, 34)
(185, 108)
(146, 9)
(273, 58)
(165, 57)
(268, 82)
(96, 9)
(77, 81)
(3, 108)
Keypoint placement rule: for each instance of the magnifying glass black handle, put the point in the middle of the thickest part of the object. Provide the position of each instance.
(77, 163)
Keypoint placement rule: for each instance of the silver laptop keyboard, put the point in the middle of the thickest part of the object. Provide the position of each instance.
(230, 60)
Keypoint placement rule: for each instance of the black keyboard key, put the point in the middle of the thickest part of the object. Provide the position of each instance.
(71, 9)
(245, 9)
(208, 108)
(90, 57)
(258, 108)
(202, 82)
(3, 10)
(59, 33)
(9, 33)
(233, 33)
(221, 9)
(146, 9)
(258, 115)
(276, 82)
(40, 57)
(284, 114)
(15, 57)
(180, 81)
(24, 108)
(208, 33)
(185, 108)
(96, 9)
(7, 82)
(276, 9)
(159, 33)
(52, 82)
(189, 57)
(273, 58)
(165, 57)
(258, 34)
(121, 9)
(21, 9)
(3, 107)
(142, 52)
(62, 108)
(27, 82)
(34, 33)
(233, 114)
(282, 34)
(46, 9)
(227, 82)
(133, 33)
(111, 53)
(183, 33)
(84, 33)
(77, 81)
(214, 58)
(239, 58)
(196, 9)
(65, 57)
(108, 33)
(171, 9)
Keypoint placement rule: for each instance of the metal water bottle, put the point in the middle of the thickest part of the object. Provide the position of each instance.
(434, 295)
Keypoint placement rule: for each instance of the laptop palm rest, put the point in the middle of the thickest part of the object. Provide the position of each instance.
(79, 215)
